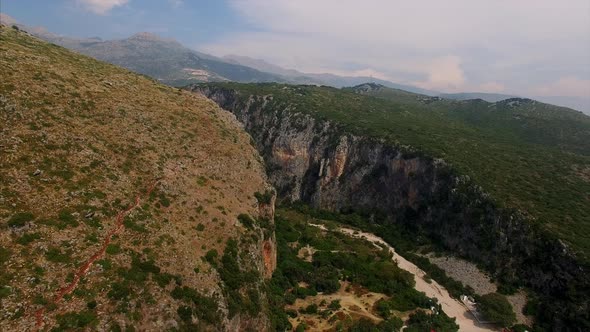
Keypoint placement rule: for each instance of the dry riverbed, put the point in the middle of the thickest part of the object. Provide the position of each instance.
(452, 307)
(467, 273)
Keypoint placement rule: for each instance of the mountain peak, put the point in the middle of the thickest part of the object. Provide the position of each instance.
(7, 20)
(366, 87)
(149, 36)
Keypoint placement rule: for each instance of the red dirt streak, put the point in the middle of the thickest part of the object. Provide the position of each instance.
(86, 266)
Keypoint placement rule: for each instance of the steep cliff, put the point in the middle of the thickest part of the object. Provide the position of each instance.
(317, 161)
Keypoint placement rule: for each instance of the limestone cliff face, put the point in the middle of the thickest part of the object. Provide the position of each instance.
(316, 162)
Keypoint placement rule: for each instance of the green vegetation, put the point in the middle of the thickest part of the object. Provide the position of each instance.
(20, 219)
(64, 220)
(404, 240)
(365, 325)
(164, 201)
(265, 197)
(540, 153)
(421, 321)
(5, 254)
(135, 277)
(203, 307)
(334, 305)
(239, 284)
(246, 220)
(113, 249)
(28, 238)
(75, 321)
(338, 258)
(55, 255)
(202, 181)
(211, 257)
(496, 308)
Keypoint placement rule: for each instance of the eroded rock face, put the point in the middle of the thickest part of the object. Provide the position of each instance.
(318, 163)
(266, 210)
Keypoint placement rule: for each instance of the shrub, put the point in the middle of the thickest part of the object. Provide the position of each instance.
(55, 255)
(20, 219)
(496, 308)
(211, 257)
(246, 220)
(201, 180)
(164, 201)
(264, 198)
(91, 304)
(420, 321)
(383, 308)
(28, 238)
(76, 320)
(334, 305)
(311, 309)
(119, 291)
(4, 254)
(113, 249)
(5, 291)
(301, 327)
(163, 279)
(392, 324)
(185, 313)
(205, 308)
(290, 298)
(105, 263)
(66, 219)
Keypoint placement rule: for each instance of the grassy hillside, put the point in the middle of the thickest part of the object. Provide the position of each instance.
(119, 199)
(527, 155)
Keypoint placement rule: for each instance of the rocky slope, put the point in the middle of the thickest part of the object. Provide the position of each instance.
(317, 161)
(119, 201)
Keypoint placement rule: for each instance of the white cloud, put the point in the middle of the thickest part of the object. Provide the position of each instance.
(447, 44)
(101, 7)
(444, 74)
(566, 86)
(367, 72)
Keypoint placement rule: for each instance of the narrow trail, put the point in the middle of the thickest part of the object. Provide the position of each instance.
(452, 307)
(39, 314)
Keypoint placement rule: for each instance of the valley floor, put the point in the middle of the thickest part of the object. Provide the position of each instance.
(452, 307)
(470, 275)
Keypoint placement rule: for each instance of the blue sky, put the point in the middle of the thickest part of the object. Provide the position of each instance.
(524, 47)
(190, 22)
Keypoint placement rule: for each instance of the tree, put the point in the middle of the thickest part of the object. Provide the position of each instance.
(496, 308)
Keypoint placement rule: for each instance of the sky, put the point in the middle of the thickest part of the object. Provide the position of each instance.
(523, 47)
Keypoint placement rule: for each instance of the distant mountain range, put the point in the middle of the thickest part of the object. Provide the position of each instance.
(294, 76)
(174, 64)
(578, 103)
